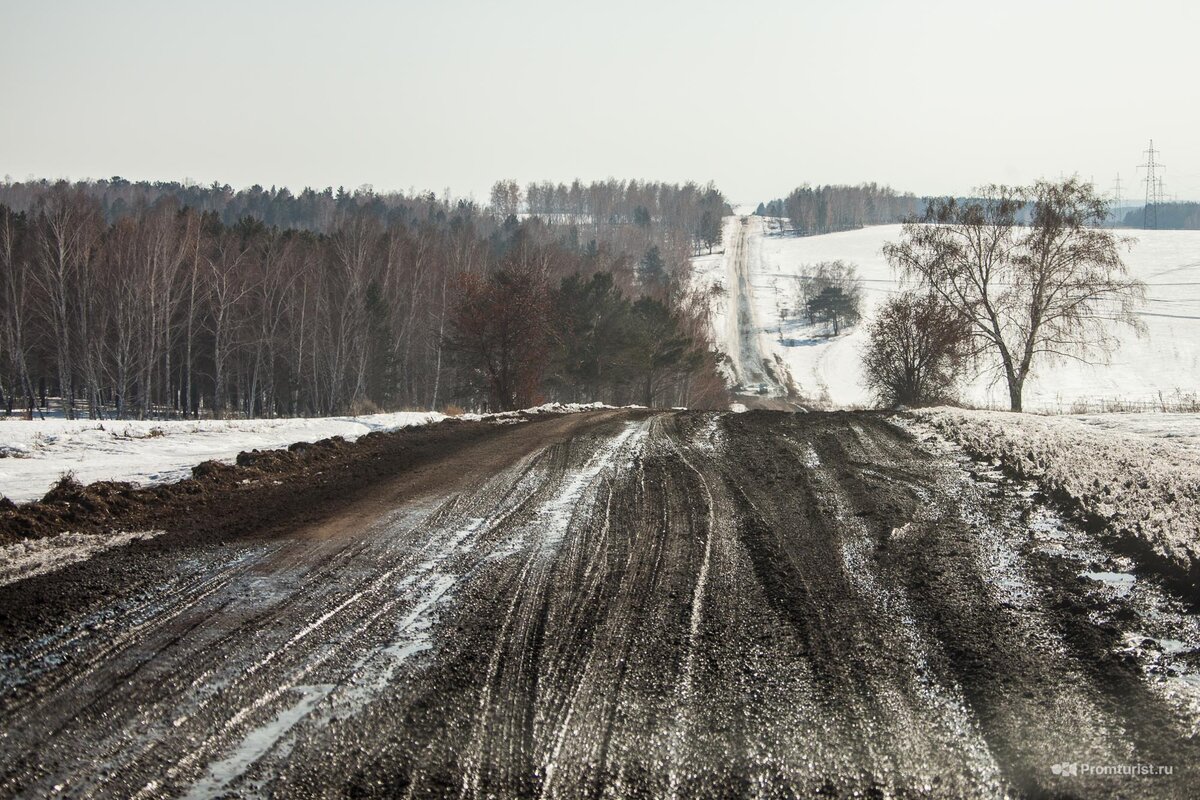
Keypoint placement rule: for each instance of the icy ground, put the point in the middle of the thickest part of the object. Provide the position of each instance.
(34, 454)
(1146, 371)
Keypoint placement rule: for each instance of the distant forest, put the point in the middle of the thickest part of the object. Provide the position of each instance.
(163, 299)
(827, 209)
(1170, 216)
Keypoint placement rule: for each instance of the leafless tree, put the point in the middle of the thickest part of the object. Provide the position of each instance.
(227, 284)
(1049, 290)
(917, 350)
(67, 228)
(500, 330)
(124, 281)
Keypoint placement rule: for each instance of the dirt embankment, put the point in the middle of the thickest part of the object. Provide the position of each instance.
(225, 499)
(268, 490)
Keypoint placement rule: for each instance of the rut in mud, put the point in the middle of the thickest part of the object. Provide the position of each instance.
(661, 605)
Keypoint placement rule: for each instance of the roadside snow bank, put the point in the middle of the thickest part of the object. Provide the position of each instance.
(545, 408)
(31, 557)
(1147, 488)
(35, 453)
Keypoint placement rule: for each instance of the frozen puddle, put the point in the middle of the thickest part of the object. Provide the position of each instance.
(38, 556)
(1120, 582)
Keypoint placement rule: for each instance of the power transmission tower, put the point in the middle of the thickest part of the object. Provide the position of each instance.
(1117, 200)
(1153, 188)
(1164, 198)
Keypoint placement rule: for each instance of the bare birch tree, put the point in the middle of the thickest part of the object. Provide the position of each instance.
(67, 227)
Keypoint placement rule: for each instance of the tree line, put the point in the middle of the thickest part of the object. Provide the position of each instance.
(316, 210)
(692, 212)
(828, 209)
(139, 305)
(673, 216)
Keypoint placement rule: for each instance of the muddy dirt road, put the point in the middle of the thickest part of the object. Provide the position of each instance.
(621, 604)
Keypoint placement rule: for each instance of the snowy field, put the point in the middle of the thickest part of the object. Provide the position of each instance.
(36, 453)
(1144, 372)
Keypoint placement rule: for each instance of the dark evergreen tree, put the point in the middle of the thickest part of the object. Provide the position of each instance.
(652, 272)
(591, 319)
(658, 350)
(835, 306)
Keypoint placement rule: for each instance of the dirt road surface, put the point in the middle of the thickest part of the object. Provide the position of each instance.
(618, 604)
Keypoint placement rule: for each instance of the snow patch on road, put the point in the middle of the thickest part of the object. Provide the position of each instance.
(31, 557)
(257, 743)
(555, 516)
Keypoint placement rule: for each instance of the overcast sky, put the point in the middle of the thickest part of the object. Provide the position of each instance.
(929, 97)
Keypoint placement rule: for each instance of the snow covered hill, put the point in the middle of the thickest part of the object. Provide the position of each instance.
(1161, 365)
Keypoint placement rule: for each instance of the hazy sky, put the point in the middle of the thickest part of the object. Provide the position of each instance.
(931, 97)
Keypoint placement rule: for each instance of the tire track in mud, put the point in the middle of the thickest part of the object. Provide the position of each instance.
(461, 529)
(679, 604)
